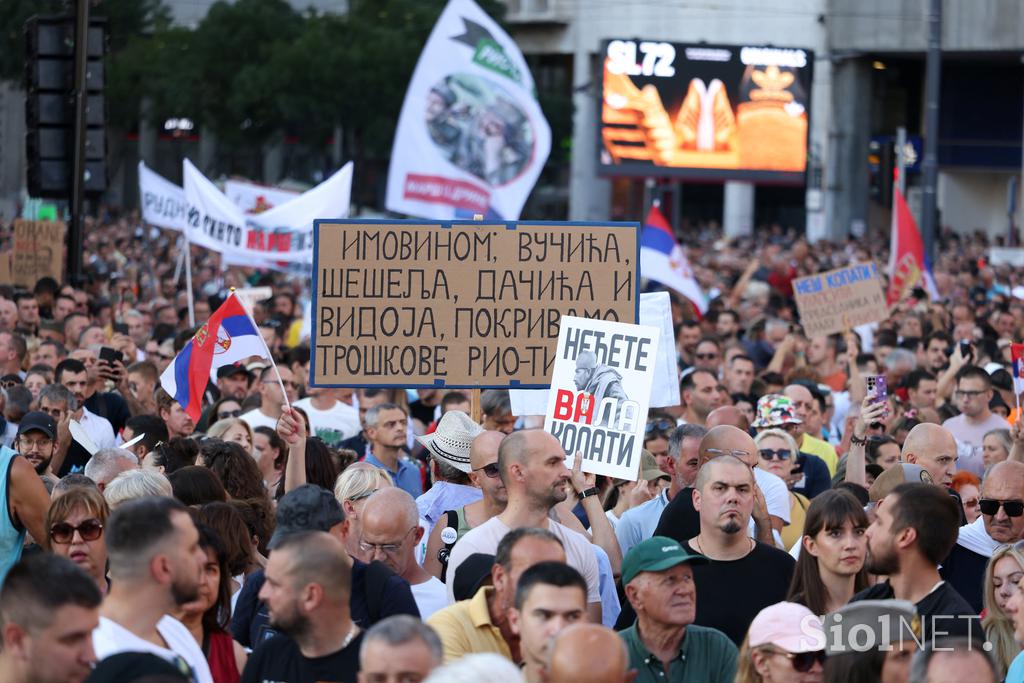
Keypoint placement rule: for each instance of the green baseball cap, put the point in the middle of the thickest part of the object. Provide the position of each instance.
(656, 554)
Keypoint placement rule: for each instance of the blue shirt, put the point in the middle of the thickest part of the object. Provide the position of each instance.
(444, 496)
(611, 608)
(1016, 671)
(407, 477)
(639, 523)
(11, 537)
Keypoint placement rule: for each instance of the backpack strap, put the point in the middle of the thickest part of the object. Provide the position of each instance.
(450, 532)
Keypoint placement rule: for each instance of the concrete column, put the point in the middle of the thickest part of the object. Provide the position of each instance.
(846, 196)
(273, 160)
(589, 196)
(12, 147)
(738, 210)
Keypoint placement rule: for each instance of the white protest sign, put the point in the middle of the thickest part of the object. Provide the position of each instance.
(656, 311)
(600, 391)
(163, 203)
(471, 138)
(256, 198)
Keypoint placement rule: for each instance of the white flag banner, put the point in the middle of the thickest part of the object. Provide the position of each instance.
(256, 198)
(163, 203)
(471, 137)
(600, 391)
(655, 311)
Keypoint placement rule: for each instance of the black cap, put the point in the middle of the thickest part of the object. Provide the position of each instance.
(234, 369)
(38, 421)
(474, 572)
(127, 667)
(307, 508)
(11, 380)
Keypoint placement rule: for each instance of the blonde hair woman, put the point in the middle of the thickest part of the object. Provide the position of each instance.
(776, 453)
(233, 429)
(1004, 571)
(357, 483)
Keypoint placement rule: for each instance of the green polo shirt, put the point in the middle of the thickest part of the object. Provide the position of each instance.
(706, 654)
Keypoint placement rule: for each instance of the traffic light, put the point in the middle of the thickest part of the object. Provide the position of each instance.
(50, 111)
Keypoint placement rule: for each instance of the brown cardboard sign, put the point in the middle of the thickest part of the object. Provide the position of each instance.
(38, 251)
(840, 299)
(460, 304)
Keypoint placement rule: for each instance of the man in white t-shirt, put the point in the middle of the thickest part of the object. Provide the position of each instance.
(333, 420)
(271, 398)
(155, 566)
(531, 464)
(973, 392)
(391, 532)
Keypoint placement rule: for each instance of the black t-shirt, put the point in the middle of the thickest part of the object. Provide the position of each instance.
(74, 460)
(679, 520)
(965, 571)
(731, 593)
(422, 412)
(112, 407)
(943, 611)
(279, 660)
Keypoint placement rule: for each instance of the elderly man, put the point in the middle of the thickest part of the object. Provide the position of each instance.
(549, 597)
(572, 657)
(107, 463)
(391, 532)
(1001, 521)
(665, 644)
(399, 648)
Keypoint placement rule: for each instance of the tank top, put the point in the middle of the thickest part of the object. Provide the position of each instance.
(220, 655)
(11, 538)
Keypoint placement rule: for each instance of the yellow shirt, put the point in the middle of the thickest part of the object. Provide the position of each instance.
(822, 449)
(794, 531)
(465, 628)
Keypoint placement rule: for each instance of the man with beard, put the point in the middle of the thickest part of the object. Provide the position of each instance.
(531, 464)
(156, 565)
(21, 489)
(37, 441)
(914, 529)
(1001, 521)
(601, 382)
(309, 578)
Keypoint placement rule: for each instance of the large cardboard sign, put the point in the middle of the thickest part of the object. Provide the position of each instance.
(38, 251)
(600, 391)
(460, 304)
(840, 299)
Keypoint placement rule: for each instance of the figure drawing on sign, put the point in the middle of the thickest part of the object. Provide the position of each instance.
(601, 382)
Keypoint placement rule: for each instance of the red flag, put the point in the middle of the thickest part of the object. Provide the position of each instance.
(908, 265)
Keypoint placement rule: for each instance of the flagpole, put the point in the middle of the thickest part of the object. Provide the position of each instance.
(188, 280)
(266, 348)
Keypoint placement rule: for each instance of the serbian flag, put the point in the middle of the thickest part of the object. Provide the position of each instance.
(1017, 355)
(909, 266)
(228, 337)
(662, 260)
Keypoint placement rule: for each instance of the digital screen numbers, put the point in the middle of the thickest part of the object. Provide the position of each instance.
(644, 59)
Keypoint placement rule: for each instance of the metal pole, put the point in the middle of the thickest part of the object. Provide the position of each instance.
(80, 95)
(930, 166)
(901, 161)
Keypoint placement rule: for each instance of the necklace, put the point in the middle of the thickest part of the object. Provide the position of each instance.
(700, 550)
(351, 634)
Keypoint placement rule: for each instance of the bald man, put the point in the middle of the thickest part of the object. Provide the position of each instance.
(803, 404)
(727, 415)
(1001, 521)
(571, 656)
(933, 448)
(391, 532)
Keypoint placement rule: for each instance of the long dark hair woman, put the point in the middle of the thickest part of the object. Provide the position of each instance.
(830, 569)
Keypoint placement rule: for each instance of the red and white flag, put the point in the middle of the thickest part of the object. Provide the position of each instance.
(909, 266)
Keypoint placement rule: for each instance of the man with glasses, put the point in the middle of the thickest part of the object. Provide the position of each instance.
(386, 429)
(973, 392)
(664, 643)
(271, 398)
(708, 356)
(21, 489)
(1001, 521)
(391, 532)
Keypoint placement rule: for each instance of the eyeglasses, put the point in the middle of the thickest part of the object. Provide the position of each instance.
(715, 452)
(659, 426)
(803, 661)
(990, 506)
(965, 393)
(63, 533)
(490, 470)
(705, 356)
(25, 445)
(286, 382)
(781, 453)
(386, 548)
(223, 414)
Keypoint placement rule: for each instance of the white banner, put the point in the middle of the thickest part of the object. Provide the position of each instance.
(163, 203)
(256, 198)
(600, 391)
(471, 137)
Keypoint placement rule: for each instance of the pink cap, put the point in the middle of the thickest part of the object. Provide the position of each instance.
(787, 625)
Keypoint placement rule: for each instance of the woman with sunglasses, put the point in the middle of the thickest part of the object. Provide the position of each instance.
(207, 617)
(75, 522)
(778, 647)
(357, 483)
(830, 568)
(777, 452)
(1004, 571)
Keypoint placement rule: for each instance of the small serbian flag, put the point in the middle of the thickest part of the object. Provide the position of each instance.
(228, 337)
(1017, 354)
(662, 260)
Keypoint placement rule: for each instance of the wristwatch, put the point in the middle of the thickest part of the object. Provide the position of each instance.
(592, 491)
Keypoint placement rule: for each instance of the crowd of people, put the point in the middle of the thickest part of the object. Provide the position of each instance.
(787, 524)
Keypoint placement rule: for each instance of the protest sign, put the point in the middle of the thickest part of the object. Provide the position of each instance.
(163, 202)
(256, 198)
(471, 138)
(460, 304)
(600, 390)
(840, 299)
(5, 267)
(38, 251)
(655, 311)
(1006, 256)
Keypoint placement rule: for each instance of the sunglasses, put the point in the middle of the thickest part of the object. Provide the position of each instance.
(781, 453)
(63, 533)
(223, 414)
(659, 426)
(705, 356)
(490, 470)
(990, 506)
(803, 661)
